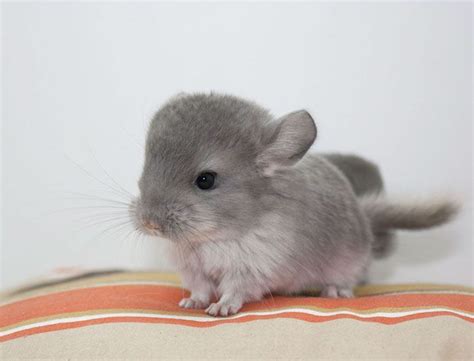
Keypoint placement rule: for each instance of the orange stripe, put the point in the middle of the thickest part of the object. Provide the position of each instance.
(289, 315)
(166, 298)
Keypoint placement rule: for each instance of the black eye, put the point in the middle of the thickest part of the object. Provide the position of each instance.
(205, 180)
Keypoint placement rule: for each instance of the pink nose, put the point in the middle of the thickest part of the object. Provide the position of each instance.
(153, 226)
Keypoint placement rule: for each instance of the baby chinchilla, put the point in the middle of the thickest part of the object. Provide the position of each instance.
(249, 212)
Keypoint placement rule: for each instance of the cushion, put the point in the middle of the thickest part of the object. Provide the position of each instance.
(136, 315)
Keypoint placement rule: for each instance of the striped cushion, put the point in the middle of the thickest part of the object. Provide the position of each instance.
(137, 314)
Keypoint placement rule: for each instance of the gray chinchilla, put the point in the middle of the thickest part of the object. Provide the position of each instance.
(248, 212)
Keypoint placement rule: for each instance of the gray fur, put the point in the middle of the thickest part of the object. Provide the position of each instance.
(279, 219)
(385, 214)
(365, 178)
(364, 175)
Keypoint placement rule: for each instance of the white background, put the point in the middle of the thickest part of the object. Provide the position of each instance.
(392, 82)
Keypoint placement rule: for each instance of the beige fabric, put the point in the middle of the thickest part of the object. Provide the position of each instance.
(438, 338)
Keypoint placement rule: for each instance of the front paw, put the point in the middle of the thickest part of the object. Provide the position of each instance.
(336, 292)
(192, 303)
(223, 309)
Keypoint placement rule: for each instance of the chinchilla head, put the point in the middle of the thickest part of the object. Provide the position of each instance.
(209, 160)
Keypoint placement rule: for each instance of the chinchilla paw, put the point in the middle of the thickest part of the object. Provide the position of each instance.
(223, 309)
(336, 292)
(192, 303)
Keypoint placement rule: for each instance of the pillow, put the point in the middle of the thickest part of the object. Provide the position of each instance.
(136, 315)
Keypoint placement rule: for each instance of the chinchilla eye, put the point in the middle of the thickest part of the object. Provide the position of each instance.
(205, 180)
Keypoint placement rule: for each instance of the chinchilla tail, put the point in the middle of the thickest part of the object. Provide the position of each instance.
(386, 216)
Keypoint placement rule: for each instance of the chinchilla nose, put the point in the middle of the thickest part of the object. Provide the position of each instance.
(152, 226)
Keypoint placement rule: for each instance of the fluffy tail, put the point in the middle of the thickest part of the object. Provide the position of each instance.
(385, 214)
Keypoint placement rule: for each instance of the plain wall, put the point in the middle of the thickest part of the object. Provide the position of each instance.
(80, 81)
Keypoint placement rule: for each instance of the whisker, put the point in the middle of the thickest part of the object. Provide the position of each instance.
(103, 215)
(128, 234)
(115, 209)
(119, 193)
(99, 236)
(105, 221)
(114, 226)
(124, 191)
(84, 196)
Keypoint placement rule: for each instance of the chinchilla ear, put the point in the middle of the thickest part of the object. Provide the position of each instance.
(293, 136)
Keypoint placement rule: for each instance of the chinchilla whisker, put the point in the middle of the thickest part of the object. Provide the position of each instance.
(121, 207)
(99, 227)
(135, 248)
(64, 211)
(124, 191)
(108, 186)
(116, 209)
(139, 237)
(90, 197)
(102, 216)
(99, 236)
(120, 229)
(113, 227)
(109, 232)
(102, 211)
(126, 237)
(103, 222)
